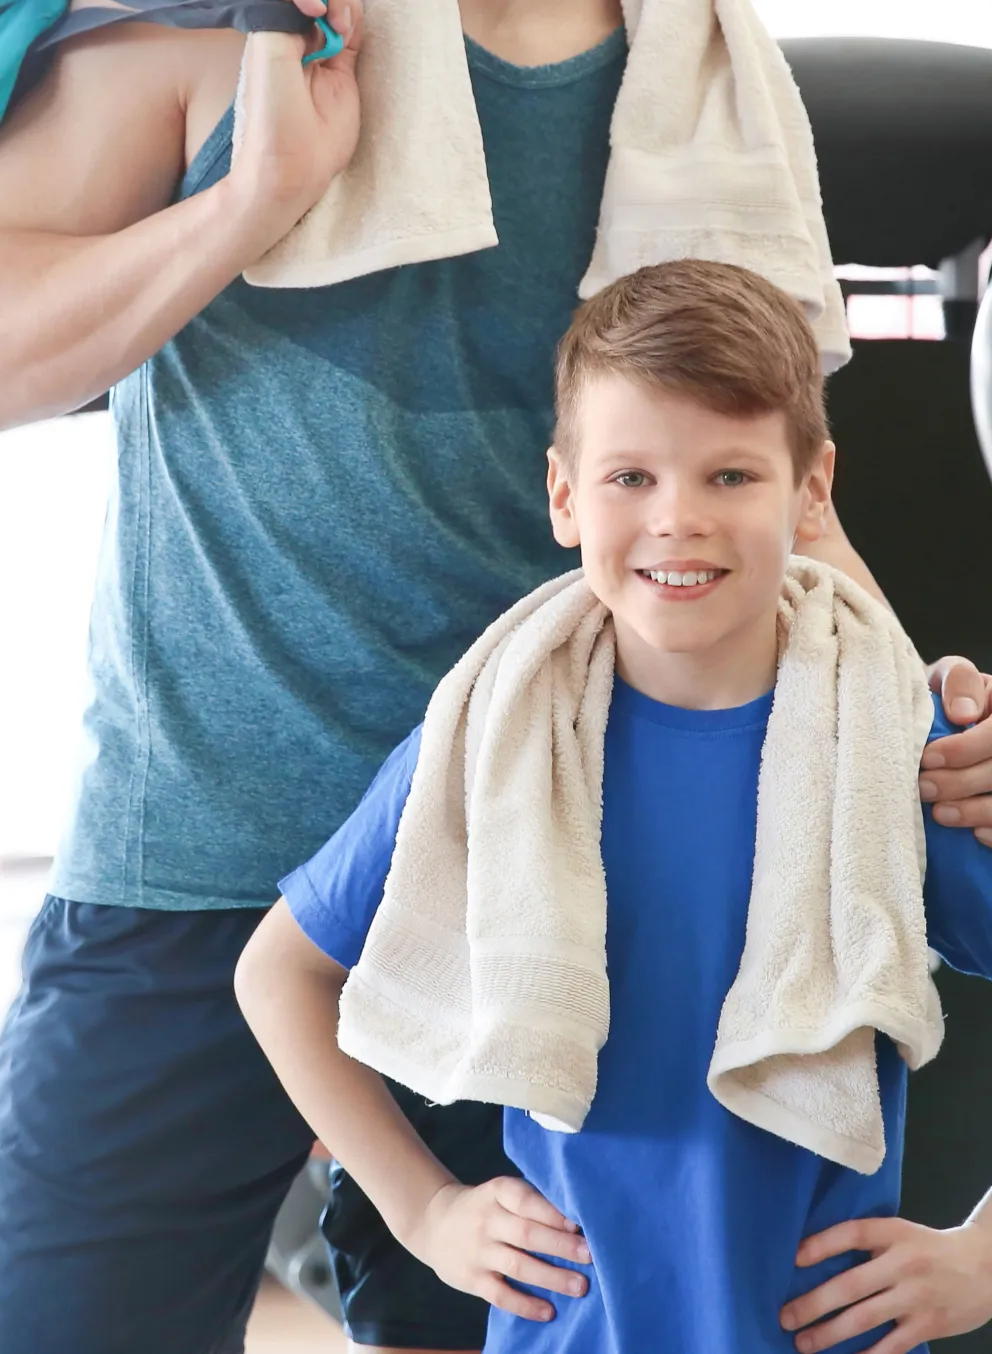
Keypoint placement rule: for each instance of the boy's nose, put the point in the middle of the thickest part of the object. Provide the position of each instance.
(677, 511)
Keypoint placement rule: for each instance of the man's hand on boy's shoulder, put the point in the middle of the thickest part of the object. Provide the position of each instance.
(956, 772)
(931, 1284)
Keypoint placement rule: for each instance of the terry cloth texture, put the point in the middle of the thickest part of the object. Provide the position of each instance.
(484, 974)
(712, 157)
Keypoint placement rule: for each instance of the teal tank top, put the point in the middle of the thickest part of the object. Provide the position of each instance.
(322, 498)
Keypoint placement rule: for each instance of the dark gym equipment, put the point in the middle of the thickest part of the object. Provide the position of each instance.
(904, 139)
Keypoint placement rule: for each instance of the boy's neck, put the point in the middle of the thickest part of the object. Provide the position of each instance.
(539, 32)
(723, 677)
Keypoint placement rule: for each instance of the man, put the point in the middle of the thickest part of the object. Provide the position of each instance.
(260, 636)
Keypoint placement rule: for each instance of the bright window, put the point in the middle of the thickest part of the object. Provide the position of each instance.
(964, 21)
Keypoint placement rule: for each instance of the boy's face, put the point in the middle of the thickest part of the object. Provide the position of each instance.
(664, 489)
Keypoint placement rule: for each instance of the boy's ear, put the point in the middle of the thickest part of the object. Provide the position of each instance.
(817, 487)
(563, 523)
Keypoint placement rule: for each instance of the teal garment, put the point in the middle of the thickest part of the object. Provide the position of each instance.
(322, 498)
(21, 22)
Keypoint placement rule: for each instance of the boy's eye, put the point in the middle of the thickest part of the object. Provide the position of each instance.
(732, 479)
(631, 479)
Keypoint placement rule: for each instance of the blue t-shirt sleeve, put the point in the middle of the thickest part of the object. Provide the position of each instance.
(958, 888)
(334, 896)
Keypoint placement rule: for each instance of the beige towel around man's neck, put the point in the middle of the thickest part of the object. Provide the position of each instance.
(712, 157)
(484, 973)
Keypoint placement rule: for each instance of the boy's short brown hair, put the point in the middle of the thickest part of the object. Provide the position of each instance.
(712, 332)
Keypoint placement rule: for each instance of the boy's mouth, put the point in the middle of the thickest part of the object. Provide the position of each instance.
(683, 583)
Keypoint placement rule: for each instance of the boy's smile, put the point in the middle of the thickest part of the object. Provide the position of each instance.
(683, 580)
(686, 519)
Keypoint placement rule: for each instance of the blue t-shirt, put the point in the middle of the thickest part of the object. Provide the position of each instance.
(322, 497)
(693, 1216)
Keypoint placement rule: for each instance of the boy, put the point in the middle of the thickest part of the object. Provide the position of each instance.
(691, 456)
(260, 640)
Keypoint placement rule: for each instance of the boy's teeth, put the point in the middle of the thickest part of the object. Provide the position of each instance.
(690, 579)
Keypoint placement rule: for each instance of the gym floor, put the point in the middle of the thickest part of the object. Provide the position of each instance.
(285, 1324)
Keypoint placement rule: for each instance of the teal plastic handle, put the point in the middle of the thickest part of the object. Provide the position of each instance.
(333, 43)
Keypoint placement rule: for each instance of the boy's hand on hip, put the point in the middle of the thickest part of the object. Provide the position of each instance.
(931, 1284)
(475, 1238)
(301, 123)
(956, 772)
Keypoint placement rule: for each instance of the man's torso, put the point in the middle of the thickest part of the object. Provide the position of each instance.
(323, 496)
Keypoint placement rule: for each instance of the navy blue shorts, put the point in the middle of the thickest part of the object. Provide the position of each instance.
(146, 1146)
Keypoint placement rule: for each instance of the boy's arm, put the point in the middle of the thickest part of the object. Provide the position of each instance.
(931, 1283)
(289, 990)
(473, 1238)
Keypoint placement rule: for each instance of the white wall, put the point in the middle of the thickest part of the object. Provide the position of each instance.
(53, 488)
(965, 21)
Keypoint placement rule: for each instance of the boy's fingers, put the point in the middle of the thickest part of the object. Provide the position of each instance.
(857, 1320)
(526, 1235)
(854, 1285)
(516, 1196)
(860, 1234)
(498, 1293)
(901, 1340)
(523, 1268)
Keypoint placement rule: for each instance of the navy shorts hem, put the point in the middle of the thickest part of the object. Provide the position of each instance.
(407, 1335)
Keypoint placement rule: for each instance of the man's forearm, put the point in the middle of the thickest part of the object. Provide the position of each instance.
(79, 313)
(834, 548)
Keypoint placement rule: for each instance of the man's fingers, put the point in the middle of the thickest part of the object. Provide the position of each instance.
(498, 1293)
(346, 17)
(974, 813)
(857, 1320)
(962, 688)
(944, 786)
(960, 749)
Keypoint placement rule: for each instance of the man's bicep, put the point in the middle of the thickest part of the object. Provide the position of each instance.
(100, 143)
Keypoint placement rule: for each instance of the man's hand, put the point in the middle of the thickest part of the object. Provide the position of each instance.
(301, 123)
(957, 771)
(475, 1238)
(930, 1284)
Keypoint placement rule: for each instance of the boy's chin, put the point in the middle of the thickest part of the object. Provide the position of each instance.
(668, 640)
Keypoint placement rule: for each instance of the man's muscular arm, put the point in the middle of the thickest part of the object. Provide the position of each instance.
(97, 269)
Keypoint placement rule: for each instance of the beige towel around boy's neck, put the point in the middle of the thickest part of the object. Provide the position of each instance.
(712, 157)
(484, 973)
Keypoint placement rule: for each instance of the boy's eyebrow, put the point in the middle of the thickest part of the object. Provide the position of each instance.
(719, 454)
